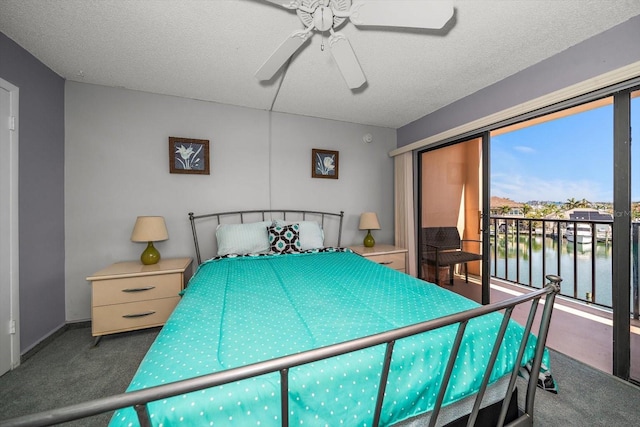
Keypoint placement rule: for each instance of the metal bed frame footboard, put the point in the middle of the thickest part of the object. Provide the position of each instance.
(263, 213)
(140, 398)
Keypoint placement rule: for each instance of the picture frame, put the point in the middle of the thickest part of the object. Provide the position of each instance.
(188, 156)
(324, 163)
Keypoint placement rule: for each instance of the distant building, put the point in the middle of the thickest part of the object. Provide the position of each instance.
(499, 204)
(541, 204)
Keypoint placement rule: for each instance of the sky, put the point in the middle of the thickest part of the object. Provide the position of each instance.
(566, 158)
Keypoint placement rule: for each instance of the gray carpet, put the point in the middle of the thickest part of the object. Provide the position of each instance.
(69, 370)
(586, 397)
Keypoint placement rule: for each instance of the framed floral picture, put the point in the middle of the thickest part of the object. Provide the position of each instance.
(324, 163)
(189, 156)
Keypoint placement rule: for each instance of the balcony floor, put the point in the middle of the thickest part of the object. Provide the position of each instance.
(577, 330)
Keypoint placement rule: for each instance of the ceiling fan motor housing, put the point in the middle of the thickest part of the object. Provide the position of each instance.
(322, 17)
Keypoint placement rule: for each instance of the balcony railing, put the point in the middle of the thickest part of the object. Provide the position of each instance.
(524, 250)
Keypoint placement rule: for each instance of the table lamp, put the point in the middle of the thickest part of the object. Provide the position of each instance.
(369, 221)
(149, 229)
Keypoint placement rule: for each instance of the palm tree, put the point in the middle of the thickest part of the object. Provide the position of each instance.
(504, 210)
(549, 209)
(584, 203)
(571, 204)
(635, 211)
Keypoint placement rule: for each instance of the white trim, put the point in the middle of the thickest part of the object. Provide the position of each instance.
(13, 219)
(607, 79)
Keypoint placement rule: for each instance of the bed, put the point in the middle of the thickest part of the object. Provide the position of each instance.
(306, 332)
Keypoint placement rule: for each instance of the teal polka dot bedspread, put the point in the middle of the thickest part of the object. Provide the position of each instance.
(242, 310)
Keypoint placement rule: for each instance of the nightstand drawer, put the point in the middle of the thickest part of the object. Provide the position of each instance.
(395, 261)
(129, 295)
(131, 289)
(135, 315)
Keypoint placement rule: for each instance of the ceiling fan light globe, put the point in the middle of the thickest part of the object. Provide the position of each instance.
(323, 18)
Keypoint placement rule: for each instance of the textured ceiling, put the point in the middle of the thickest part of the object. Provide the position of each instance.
(210, 50)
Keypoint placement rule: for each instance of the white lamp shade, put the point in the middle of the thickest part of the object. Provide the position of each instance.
(149, 229)
(369, 221)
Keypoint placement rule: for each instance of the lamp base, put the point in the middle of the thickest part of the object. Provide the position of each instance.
(369, 241)
(150, 255)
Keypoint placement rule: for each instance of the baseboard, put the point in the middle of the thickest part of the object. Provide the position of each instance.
(79, 324)
(52, 336)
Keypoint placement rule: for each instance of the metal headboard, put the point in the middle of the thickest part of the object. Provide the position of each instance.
(265, 214)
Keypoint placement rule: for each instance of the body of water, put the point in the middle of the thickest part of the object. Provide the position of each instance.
(507, 257)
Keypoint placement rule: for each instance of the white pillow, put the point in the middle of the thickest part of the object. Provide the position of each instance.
(241, 239)
(311, 234)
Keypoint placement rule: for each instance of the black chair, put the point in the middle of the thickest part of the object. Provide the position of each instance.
(442, 246)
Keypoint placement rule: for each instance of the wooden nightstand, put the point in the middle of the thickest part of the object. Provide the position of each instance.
(129, 295)
(392, 256)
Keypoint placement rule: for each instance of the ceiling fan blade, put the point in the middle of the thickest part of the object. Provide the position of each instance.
(402, 13)
(346, 59)
(289, 4)
(281, 54)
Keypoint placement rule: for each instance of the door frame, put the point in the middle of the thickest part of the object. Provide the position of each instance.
(485, 229)
(12, 209)
(621, 232)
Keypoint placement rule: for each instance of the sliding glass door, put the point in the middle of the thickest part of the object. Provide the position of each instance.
(451, 205)
(566, 180)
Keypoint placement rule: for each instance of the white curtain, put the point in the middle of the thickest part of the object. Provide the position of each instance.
(405, 222)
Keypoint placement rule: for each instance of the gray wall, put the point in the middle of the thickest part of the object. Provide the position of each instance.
(116, 168)
(607, 51)
(41, 192)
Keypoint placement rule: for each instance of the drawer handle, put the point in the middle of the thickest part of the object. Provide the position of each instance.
(133, 316)
(385, 262)
(148, 288)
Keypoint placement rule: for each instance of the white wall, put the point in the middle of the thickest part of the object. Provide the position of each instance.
(116, 168)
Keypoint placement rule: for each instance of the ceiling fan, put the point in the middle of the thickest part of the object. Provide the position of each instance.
(327, 15)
